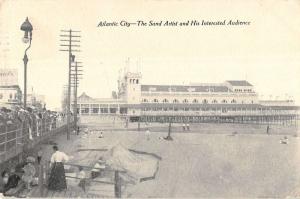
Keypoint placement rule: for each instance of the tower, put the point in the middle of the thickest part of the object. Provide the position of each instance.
(132, 88)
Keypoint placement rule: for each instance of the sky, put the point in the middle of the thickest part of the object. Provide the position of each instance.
(266, 52)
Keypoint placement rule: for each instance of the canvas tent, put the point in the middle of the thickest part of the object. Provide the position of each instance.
(136, 166)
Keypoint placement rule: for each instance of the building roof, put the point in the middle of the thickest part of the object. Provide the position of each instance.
(183, 88)
(11, 86)
(239, 83)
(84, 97)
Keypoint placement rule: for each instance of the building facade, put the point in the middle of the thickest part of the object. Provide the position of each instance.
(10, 92)
(137, 100)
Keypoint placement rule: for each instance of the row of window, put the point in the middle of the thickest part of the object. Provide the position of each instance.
(241, 90)
(195, 101)
(202, 109)
(10, 96)
(134, 81)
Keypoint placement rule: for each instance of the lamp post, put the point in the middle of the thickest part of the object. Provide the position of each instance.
(27, 28)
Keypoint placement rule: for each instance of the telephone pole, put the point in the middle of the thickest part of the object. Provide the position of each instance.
(69, 38)
(76, 76)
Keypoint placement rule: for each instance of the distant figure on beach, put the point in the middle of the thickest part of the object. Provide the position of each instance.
(57, 179)
(268, 130)
(284, 140)
(187, 126)
(148, 134)
(78, 130)
(101, 135)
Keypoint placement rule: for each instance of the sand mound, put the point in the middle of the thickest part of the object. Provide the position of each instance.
(136, 166)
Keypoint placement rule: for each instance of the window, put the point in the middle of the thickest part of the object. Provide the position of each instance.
(95, 110)
(165, 101)
(137, 81)
(195, 101)
(155, 100)
(104, 110)
(1, 95)
(144, 100)
(10, 96)
(214, 101)
(204, 101)
(233, 101)
(113, 110)
(185, 101)
(175, 101)
(224, 101)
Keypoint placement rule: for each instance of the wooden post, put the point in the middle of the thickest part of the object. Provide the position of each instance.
(5, 144)
(117, 185)
(46, 172)
(41, 179)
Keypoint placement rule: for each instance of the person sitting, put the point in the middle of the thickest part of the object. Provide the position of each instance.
(13, 179)
(11, 183)
(4, 182)
(95, 171)
(29, 172)
(98, 167)
(101, 135)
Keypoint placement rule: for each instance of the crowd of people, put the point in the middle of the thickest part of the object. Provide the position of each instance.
(32, 121)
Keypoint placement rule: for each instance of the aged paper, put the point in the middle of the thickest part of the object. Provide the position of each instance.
(151, 98)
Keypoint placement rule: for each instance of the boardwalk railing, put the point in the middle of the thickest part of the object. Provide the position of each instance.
(16, 136)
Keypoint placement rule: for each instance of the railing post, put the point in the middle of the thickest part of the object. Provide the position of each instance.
(41, 179)
(117, 185)
(46, 172)
(5, 144)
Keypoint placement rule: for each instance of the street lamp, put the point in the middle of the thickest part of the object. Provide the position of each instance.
(27, 28)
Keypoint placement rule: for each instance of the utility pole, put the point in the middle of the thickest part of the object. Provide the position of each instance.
(69, 37)
(75, 82)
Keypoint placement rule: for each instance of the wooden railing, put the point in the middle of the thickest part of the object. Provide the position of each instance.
(45, 170)
(15, 136)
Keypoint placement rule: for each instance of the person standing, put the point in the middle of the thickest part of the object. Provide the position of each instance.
(148, 134)
(82, 178)
(268, 129)
(57, 179)
(39, 155)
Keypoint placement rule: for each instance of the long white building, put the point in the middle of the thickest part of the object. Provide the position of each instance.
(230, 98)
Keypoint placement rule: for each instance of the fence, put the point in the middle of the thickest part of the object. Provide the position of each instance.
(17, 136)
(44, 172)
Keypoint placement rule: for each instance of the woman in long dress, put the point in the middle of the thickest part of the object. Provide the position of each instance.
(57, 179)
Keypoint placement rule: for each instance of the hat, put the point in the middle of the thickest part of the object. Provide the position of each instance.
(30, 159)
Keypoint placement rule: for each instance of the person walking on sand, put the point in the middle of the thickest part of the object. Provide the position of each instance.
(148, 134)
(57, 179)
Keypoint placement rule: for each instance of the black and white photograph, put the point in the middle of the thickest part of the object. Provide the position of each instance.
(149, 99)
